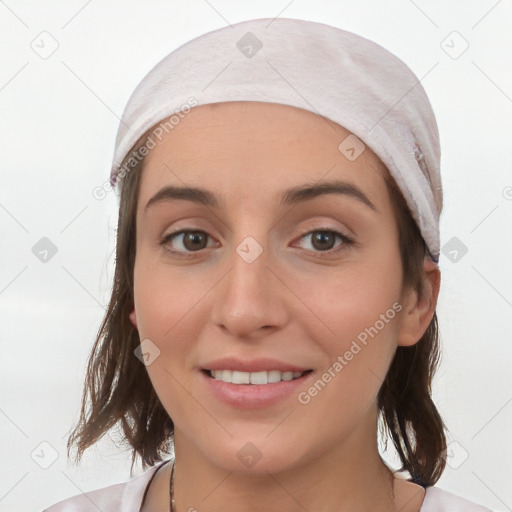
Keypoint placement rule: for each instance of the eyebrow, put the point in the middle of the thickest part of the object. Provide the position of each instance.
(290, 196)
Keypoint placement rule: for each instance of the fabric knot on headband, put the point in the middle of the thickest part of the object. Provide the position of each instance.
(316, 67)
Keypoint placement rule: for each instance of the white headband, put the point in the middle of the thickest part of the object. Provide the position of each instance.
(331, 72)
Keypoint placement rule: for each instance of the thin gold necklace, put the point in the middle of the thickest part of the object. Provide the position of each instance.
(171, 488)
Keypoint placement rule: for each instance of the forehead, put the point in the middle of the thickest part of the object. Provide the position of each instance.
(254, 149)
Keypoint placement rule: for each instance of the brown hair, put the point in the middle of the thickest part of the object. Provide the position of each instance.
(409, 414)
(118, 391)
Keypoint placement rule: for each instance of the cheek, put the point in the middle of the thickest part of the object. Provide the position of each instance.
(342, 303)
(167, 316)
(172, 308)
(165, 297)
(354, 318)
(357, 357)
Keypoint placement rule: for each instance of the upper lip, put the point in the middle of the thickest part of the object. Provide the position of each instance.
(253, 365)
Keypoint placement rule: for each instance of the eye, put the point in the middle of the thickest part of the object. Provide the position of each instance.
(323, 240)
(184, 241)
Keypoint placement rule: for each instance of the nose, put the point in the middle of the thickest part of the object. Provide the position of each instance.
(250, 300)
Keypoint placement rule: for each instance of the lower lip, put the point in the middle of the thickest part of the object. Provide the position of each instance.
(253, 396)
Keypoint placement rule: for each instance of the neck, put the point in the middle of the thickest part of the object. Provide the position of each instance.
(349, 477)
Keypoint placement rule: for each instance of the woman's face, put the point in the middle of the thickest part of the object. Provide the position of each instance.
(260, 279)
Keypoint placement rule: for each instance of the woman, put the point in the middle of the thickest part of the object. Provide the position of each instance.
(276, 281)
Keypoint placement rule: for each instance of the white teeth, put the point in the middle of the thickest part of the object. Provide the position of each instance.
(240, 377)
(258, 377)
(264, 377)
(273, 376)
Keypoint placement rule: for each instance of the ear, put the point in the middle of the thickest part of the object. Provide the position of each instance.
(419, 311)
(133, 318)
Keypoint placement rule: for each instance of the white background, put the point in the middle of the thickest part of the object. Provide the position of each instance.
(58, 120)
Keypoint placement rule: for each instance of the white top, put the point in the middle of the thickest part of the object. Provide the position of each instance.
(128, 497)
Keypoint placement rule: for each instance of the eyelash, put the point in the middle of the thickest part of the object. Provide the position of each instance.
(347, 241)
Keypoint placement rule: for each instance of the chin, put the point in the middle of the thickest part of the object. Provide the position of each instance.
(255, 453)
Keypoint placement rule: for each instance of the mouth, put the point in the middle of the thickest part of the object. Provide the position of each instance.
(254, 378)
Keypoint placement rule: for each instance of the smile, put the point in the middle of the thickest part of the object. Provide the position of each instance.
(256, 378)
